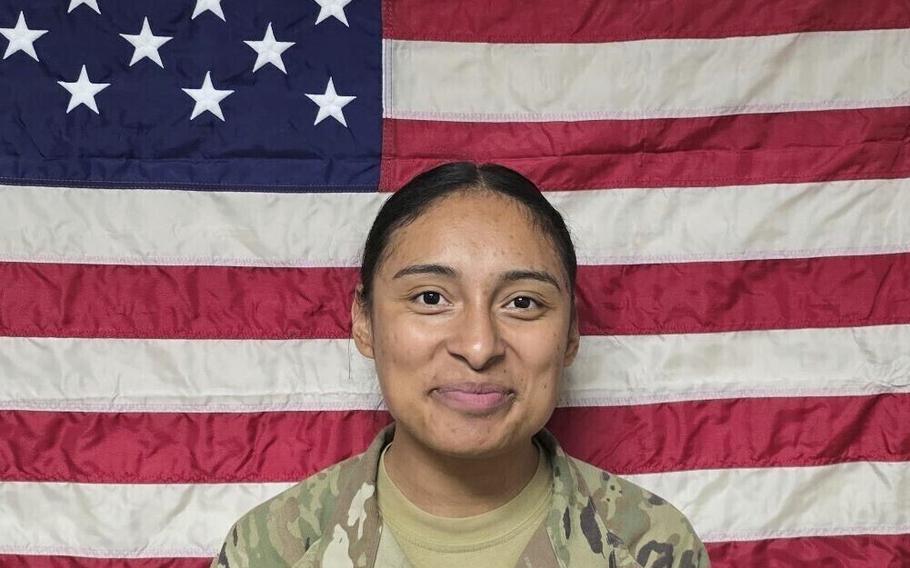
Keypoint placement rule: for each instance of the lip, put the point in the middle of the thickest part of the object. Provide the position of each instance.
(478, 399)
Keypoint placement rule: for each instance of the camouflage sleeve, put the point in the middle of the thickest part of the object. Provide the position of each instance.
(654, 533)
(273, 534)
(229, 556)
(669, 540)
(258, 540)
(688, 550)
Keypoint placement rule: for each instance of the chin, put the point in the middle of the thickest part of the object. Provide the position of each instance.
(471, 437)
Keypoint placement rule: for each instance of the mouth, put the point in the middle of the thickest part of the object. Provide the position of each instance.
(477, 399)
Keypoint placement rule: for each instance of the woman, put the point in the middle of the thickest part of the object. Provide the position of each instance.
(466, 306)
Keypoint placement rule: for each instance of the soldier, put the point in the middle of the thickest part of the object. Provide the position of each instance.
(466, 306)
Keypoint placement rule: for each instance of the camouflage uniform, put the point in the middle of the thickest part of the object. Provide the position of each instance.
(332, 520)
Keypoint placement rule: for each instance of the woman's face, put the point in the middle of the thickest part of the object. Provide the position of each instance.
(471, 326)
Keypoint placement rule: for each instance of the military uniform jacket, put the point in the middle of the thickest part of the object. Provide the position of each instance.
(332, 520)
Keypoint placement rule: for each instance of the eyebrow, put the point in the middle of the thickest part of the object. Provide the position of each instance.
(449, 272)
(539, 275)
(436, 269)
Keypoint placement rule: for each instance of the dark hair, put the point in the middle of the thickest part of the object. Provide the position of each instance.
(408, 203)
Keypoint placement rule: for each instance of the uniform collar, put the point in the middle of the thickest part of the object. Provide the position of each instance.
(357, 508)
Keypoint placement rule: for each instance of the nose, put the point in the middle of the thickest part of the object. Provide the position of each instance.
(476, 339)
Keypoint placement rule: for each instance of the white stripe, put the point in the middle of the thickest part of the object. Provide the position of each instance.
(637, 226)
(46, 224)
(482, 82)
(184, 375)
(628, 226)
(125, 521)
(755, 504)
(620, 370)
(245, 375)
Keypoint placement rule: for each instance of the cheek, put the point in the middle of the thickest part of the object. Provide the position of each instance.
(539, 362)
(544, 349)
(540, 356)
(402, 349)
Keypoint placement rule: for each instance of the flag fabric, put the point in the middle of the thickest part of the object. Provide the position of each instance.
(185, 187)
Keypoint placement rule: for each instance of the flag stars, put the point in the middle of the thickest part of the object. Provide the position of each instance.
(207, 98)
(21, 38)
(93, 4)
(213, 6)
(83, 91)
(330, 104)
(146, 44)
(332, 8)
(268, 50)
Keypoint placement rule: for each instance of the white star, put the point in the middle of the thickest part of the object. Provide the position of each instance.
(213, 6)
(21, 38)
(93, 4)
(330, 104)
(146, 44)
(83, 91)
(333, 8)
(269, 51)
(207, 97)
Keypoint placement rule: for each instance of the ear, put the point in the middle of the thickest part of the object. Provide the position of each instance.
(574, 340)
(361, 326)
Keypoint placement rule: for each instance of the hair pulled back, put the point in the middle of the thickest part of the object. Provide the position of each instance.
(412, 200)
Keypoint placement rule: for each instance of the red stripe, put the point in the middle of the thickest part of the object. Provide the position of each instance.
(745, 295)
(853, 551)
(34, 561)
(190, 302)
(769, 432)
(672, 152)
(569, 21)
(288, 446)
(179, 447)
(61, 300)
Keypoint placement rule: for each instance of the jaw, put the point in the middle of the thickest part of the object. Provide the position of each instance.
(448, 432)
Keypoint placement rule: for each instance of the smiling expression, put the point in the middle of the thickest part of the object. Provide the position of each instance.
(471, 325)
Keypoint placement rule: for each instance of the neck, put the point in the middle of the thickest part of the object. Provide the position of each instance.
(450, 486)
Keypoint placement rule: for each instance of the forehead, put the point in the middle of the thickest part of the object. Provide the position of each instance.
(474, 231)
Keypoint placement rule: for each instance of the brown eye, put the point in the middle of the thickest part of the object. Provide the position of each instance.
(523, 302)
(430, 298)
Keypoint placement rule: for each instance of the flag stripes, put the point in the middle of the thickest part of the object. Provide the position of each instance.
(587, 21)
(737, 433)
(160, 447)
(830, 500)
(740, 149)
(699, 119)
(213, 302)
(627, 226)
(161, 375)
(173, 227)
(176, 302)
(744, 295)
(49, 561)
(180, 520)
(123, 520)
(661, 78)
(877, 551)
(737, 182)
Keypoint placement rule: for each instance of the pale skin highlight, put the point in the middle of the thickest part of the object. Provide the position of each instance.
(469, 292)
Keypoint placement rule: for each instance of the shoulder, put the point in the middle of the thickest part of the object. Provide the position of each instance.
(654, 532)
(280, 531)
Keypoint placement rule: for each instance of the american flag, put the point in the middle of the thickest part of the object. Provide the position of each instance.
(185, 187)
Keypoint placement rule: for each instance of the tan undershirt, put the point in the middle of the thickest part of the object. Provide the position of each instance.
(495, 538)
